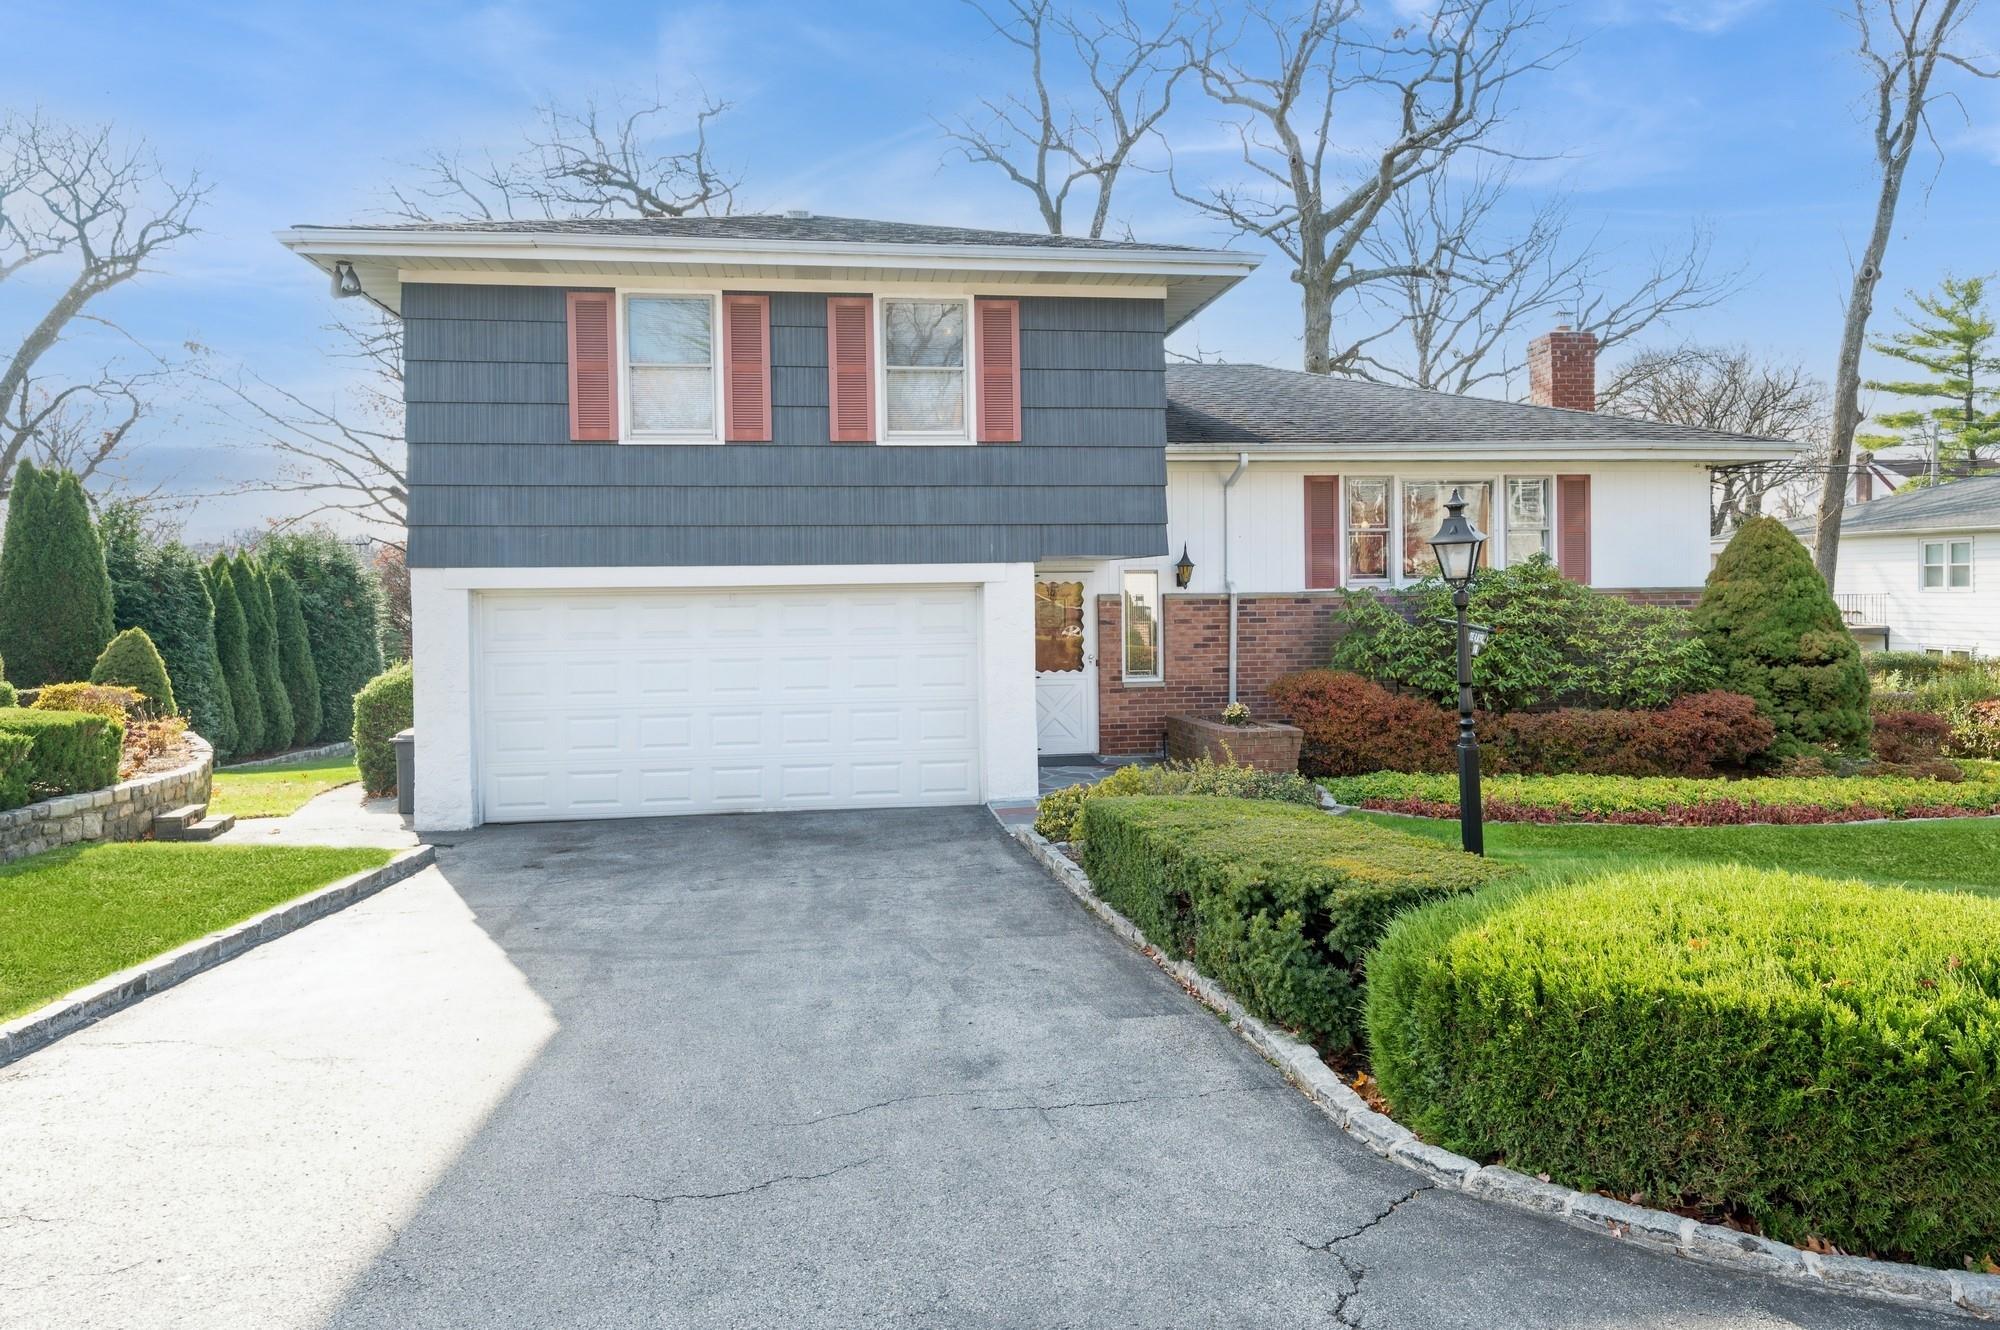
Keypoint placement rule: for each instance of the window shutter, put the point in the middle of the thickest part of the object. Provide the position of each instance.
(1322, 531)
(593, 371)
(746, 369)
(999, 370)
(1573, 527)
(850, 369)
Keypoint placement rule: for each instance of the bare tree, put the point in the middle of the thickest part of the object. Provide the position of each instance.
(1443, 80)
(77, 197)
(577, 163)
(1462, 294)
(1901, 44)
(1048, 143)
(1731, 389)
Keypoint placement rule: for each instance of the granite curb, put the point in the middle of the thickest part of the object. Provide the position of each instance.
(1972, 1295)
(85, 1006)
(341, 749)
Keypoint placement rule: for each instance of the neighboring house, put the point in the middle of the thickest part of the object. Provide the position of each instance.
(1920, 569)
(809, 512)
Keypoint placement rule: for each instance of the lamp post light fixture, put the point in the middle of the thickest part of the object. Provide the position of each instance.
(1184, 570)
(1457, 545)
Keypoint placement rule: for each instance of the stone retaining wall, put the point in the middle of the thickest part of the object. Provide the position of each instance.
(122, 812)
(341, 749)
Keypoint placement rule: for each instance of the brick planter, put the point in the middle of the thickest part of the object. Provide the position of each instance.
(122, 812)
(1265, 747)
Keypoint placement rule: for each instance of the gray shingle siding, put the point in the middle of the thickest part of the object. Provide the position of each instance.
(495, 481)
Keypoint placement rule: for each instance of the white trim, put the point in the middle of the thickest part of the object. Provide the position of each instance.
(1504, 515)
(1948, 563)
(761, 284)
(628, 431)
(1391, 552)
(883, 436)
(1698, 451)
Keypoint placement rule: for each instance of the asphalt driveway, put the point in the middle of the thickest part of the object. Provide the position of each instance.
(820, 1070)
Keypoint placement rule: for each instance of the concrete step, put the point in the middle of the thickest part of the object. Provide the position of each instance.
(208, 828)
(170, 824)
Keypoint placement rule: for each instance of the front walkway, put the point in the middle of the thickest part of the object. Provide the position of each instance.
(822, 1070)
(340, 816)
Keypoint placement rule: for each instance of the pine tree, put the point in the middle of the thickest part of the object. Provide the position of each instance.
(262, 621)
(1776, 635)
(1950, 337)
(158, 586)
(232, 647)
(133, 660)
(55, 599)
(295, 660)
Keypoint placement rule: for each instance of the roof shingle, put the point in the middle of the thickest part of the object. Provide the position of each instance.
(1963, 505)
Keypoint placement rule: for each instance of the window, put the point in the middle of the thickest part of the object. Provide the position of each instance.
(1947, 565)
(1423, 514)
(1368, 529)
(670, 375)
(923, 363)
(1142, 626)
(1529, 528)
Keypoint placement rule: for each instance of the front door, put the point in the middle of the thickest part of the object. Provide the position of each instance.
(1065, 666)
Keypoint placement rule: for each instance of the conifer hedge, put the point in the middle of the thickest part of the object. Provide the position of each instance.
(340, 605)
(232, 646)
(295, 661)
(55, 599)
(159, 586)
(262, 621)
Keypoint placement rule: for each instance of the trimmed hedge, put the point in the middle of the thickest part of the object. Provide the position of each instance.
(1823, 1056)
(1672, 800)
(1059, 816)
(120, 703)
(74, 751)
(7, 695)
(1277, 903)
(382, 710)
(132, 661)
(14, 750)
(1350, 725)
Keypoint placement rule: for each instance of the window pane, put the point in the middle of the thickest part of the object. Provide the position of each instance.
(1525, 545)
(927, 401)
(1934, 552)
(1527, 504)
(1933, 575)
(675, 401)
(1367, 554)
(1423, 514)
(1368, 504)
(924, 332)
(1961, 574)
(668, 331)
(1142, 625)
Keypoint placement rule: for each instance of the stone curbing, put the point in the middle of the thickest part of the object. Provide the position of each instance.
(87, 1005)
(341, 749)
(122, 812)
(1973, 1295)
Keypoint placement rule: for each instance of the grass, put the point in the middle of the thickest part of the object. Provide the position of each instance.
(275, 791)
(75, 915)
(1955, 854)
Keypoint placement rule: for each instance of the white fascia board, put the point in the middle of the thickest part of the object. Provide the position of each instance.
(1635, 450)
(722, 576)
(1925, 529)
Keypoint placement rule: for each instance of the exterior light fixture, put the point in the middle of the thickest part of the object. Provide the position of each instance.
(346, 282)
(1184, 570)
(1457, 544)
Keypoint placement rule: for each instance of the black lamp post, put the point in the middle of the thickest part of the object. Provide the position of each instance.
(1457, 545)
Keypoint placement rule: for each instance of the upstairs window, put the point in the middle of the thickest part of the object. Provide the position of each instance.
(1947, 565)
(923, 365)
(670, 378)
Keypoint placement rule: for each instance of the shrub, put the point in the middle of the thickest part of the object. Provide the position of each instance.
(55, 600)
(1555, 642)
(1351, 725)
(1674, 800)
(1693, 737)
(73, 751)
(133, 661)
(295, 662)
(1819, 1055)
(116, 701)
(14, 750)
(1907, 736)
(1277, 903)
(382, 710)
(158, 586)
(232, 648)
(1060, 815)
(1777, 636)
(260, 616)
(7, 695)
(148, 739)
(341, 608)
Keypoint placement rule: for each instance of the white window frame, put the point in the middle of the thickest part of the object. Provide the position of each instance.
(1495, 539)
(1503, 514)
(627, 431)
(1392, 555)
(1945, 564)
(1159, 674)
(922, 439)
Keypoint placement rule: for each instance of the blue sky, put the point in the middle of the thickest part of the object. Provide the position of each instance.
(1744, 115)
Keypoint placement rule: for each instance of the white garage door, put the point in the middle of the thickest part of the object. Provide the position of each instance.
(642, 703)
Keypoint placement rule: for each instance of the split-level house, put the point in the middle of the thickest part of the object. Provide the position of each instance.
(781, 512)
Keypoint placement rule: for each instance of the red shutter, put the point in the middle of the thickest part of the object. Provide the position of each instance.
(593, 371)
(850, 369)
(999, 370)
(1322, 531)
(1573, 527)
(746, 369)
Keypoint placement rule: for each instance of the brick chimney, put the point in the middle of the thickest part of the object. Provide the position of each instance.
(1864, 477)
(1562, 369)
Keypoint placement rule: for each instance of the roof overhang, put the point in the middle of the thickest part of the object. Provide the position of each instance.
(1704, 452)
(384, 258)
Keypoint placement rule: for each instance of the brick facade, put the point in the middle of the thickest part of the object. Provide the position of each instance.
(1275, 636)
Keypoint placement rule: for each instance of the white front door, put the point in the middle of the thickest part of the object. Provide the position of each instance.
(1065, 665)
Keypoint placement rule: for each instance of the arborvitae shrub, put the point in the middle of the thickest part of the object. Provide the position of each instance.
(262, 620)
(55, 599)
(232, 646)
(158, 586)
(133, 660)
(295, 660)
(341, 607)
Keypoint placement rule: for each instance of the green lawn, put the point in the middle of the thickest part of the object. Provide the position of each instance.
(1945, 854)
(74, 915)
(277, 790)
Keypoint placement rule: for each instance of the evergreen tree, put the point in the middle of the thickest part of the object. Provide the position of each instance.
(262, 620)
(295, 660)
(1950, 339)
(232, 646)
(55, 599)
(133, 661)
(341, 607)
(158, 586)
(1776, 635)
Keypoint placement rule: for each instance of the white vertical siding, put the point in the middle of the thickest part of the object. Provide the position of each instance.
(1887, 566)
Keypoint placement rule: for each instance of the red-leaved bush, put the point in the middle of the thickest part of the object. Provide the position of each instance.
(1353, 726)
(1909, 736)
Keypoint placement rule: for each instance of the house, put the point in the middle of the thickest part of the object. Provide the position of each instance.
(1919, 570)
(807, 512)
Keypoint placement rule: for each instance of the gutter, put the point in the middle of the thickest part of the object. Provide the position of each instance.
(1228, 579)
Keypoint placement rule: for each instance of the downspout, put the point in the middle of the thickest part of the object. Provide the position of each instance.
(1229, 579)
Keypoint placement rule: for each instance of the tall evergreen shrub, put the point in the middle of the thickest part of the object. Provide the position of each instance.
(232, 645)
(55, 599)
(158, 586)
(295, 660)
(341, 607)
(134, 662)
(262, 620)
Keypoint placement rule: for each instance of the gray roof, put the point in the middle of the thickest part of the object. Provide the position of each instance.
(1252, 406)
(1963, 505)
(810, 229)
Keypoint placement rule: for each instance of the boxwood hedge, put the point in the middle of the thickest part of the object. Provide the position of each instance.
(72, 751)
(1659, 800)
(1276, 902)
(1822, 1056)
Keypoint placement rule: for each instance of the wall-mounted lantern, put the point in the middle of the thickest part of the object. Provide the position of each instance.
(1184, 570)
